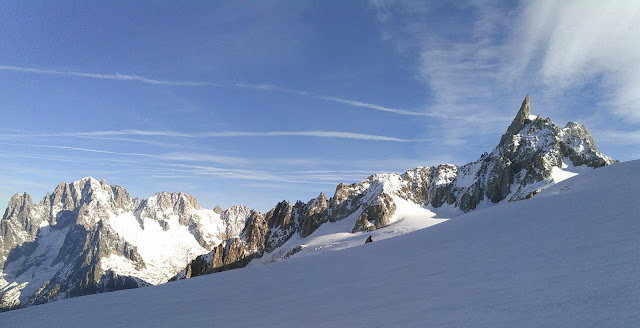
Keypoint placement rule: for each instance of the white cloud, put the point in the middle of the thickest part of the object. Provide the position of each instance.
(479, 59)
(117, 76)
(220, 134)
(373, 106)
(583, 41)
(169, 157)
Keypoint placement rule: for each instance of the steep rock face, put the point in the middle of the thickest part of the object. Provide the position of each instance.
(81, 254)
(234, 220)
(255, 232)
(522, 118)
(376, 215)
(19, 224)
(232, 254)
(311, 215)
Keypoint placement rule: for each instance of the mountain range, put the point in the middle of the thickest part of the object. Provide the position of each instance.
(90, 237)
(567, 257)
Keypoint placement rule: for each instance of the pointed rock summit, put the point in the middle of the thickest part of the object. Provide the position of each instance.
(518, 122)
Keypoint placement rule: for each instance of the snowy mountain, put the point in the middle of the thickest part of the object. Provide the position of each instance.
(567, 257)
(89, 237)
(533, 154)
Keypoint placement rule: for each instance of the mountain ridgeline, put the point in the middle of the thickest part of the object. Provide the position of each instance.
(90, 237)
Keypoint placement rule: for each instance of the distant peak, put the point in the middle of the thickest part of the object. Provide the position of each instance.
(20, 198)
(17, 204)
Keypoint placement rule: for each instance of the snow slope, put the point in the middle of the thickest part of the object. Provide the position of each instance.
(568, 257)
(334, 236)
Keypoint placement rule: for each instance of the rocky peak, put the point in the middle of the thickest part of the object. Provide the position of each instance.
(235, 211)
(280, 216)
(234, 220)
(176, 202)
(521, 117)
(161, 206)
(255, 232)
(311, 215)
(89, 191)
(63, 197)
(19, 224)
(281, 225)
(318, 205)
(121, 198)
(375, 215)
(17, 204)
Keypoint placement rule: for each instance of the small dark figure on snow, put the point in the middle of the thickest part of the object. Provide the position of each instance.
(369, 240)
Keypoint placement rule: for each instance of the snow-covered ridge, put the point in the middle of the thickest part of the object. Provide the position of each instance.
(87, 231)
(532, 155)
(89, 237)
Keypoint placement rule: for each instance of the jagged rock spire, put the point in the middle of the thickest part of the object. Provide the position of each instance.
(518, 121)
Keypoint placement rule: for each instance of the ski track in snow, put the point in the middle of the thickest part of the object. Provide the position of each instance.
(565, 258)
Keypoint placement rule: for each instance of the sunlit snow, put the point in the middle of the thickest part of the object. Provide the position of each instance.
(565, 258)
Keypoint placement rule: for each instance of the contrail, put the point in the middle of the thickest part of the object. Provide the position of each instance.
(261, 87)
(221, 134)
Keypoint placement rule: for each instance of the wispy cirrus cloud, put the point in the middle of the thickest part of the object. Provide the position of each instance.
(117, 77)
(253, 175)
(552, 49)
(260, 87)
(570, 44)
(457, 62)
(218, 134)
(197, 164)
(230, 160)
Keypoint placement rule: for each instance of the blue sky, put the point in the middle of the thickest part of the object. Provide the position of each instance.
(253, 102)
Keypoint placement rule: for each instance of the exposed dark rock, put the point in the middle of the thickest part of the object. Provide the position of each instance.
(522, 118)
(226, 256)
(255, 232)
(500, 179)
(311, 215)
(377, 215)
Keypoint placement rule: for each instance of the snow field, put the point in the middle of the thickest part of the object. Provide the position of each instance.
(565, 258)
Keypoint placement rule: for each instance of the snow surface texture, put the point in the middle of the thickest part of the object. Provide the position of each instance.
(565, 258)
